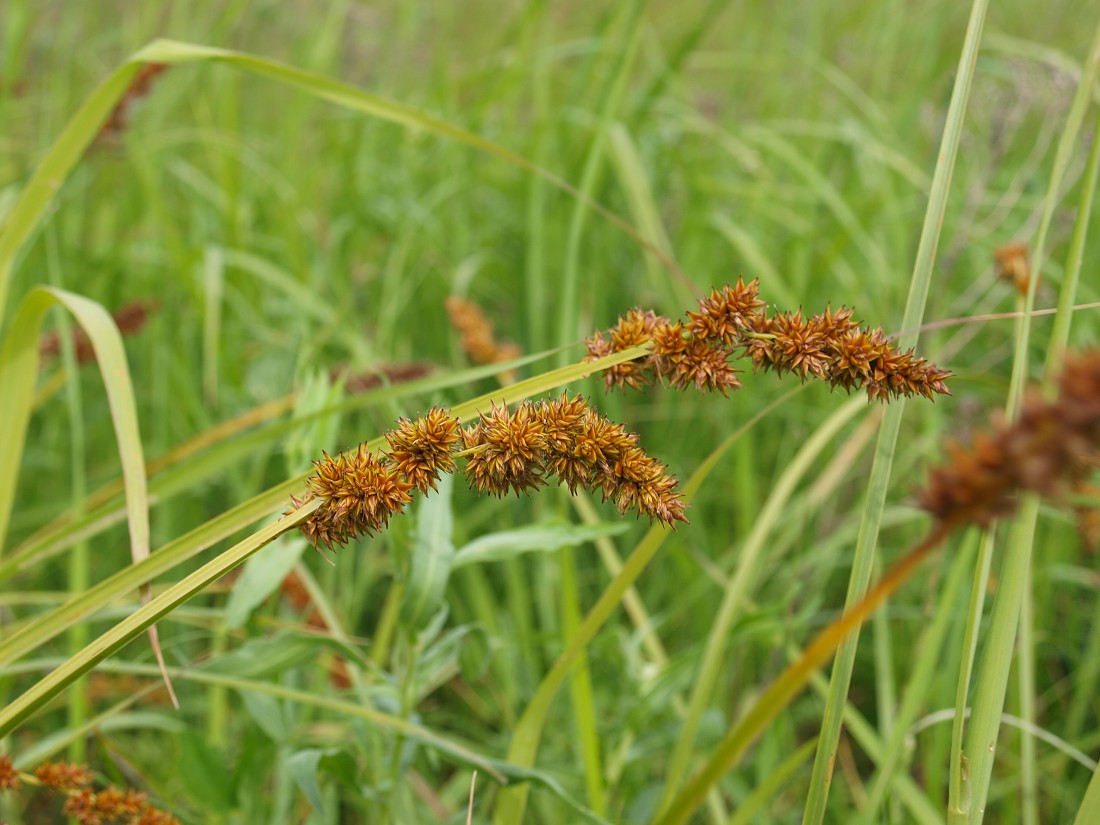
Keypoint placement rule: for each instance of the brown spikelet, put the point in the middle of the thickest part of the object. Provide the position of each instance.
(829, 347)
(564, 424)
(9, 776)
(1051, 445)
(1014, 265)
(479, 339)
(724, 314)
(63, 776)
(139, 87)
(422, 449)
(388, 373)
(360, 491)
(505, 450)
(129, 319)
(638, 326)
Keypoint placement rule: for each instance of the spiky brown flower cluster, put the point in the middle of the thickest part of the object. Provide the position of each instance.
(84, 804)
(479, 340)
(505, 450)
(830, 347)
(1052, 445)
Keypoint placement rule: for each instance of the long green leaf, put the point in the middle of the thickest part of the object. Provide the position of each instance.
(919, 286)
(18, 370)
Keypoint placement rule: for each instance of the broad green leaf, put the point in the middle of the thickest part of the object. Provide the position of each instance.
(265, 657)
(545, 537)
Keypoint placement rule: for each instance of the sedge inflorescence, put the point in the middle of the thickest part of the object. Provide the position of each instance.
(505, 450)
(1052, 445)
(84, 804)
(733, 322)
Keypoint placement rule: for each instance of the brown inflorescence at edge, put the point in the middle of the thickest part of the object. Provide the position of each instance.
(732, 322)
(82, 803)
(504, 450)
(1050, 449)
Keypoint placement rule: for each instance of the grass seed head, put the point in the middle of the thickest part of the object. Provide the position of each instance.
(1051, 447)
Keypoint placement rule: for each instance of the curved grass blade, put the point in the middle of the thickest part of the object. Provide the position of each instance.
(18, 369)
(738, 588)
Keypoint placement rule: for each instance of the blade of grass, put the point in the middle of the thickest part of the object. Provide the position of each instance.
(979, 749)
(738, 588)
(863, 561)
(791, 682)
(18, 369)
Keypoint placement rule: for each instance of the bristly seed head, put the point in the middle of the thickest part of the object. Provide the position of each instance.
(829, 347)
(1052, 445)
(360, 491)
(505, 450)
(422, 449)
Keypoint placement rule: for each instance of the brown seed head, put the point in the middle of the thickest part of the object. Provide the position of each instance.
(422, 449)
(9, 776)
(1052, 444)
(637, 327)
(507, 449)
(63, 776)
(723, 315)
(360, 491)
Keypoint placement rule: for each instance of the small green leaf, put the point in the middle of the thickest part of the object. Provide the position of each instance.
(205, 772)
(307, 765)
(545, 537)
(475, 654)
(261, 576)
(266, 657)
(268, 713)
(433, 555)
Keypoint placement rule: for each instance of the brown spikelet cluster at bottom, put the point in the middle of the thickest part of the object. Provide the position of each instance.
(82, 803)
(731, 322)
(1051, 447)
(505, 451)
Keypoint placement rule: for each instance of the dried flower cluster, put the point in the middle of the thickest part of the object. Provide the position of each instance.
(82, 803)
(505, 450)
(1014, 265)
(479, 340)
(733, 322)
(1052, 444)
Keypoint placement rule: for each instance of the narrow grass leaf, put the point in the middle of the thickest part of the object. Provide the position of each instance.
(881, 469)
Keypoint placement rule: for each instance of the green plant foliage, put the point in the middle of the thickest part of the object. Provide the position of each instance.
(539, 323)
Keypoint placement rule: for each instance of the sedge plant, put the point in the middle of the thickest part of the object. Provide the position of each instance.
(511, 441)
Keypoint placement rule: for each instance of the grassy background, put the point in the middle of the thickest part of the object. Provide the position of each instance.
(285, 237)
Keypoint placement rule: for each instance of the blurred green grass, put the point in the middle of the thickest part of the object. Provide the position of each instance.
(285, 237)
